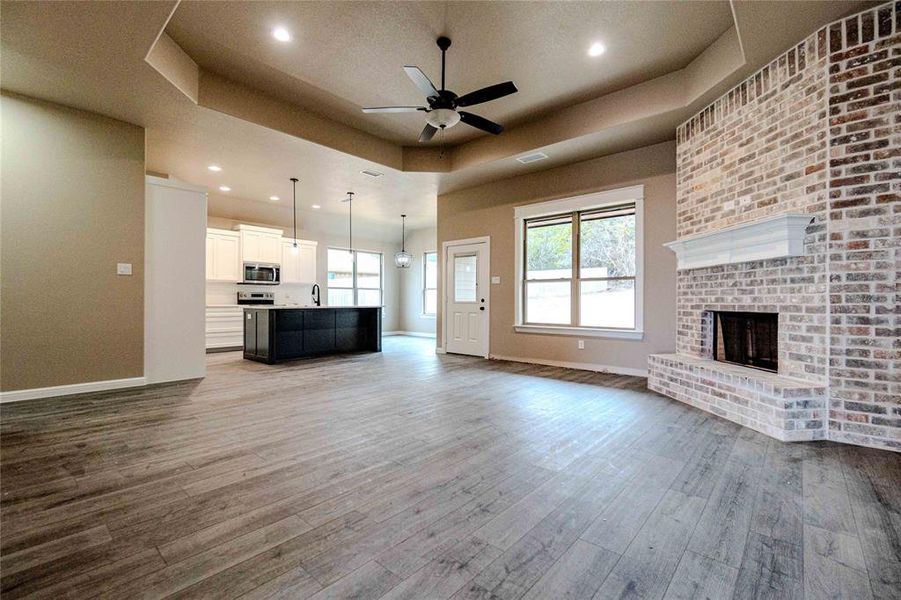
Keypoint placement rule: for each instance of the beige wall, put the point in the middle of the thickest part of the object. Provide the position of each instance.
(419, 241)
(71, 207)
(487, 210)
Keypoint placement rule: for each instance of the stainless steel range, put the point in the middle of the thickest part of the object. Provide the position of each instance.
(256, 298)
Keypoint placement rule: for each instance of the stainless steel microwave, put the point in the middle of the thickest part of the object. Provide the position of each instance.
(262, 273)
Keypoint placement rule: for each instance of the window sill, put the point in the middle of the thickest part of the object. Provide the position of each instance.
(592, 332)
(427, 316)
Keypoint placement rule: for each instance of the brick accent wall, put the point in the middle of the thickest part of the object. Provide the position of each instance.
(816, 131)
(865, 228)
(760, 149)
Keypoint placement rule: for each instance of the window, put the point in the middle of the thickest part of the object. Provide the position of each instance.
(354, 278)
(580, 263)
(430, 283)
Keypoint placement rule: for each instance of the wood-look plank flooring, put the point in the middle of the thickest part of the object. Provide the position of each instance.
(408, 475)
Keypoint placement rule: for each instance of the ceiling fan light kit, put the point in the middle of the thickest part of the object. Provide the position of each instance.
(441, 111)
(442, 118)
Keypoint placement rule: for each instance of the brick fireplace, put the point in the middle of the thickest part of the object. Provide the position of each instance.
(814, 134)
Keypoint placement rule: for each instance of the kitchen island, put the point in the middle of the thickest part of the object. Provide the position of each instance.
(277, 333)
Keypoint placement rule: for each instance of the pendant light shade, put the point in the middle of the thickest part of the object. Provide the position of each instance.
(403, 259)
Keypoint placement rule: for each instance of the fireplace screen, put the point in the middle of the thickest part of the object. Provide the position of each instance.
(747, 338)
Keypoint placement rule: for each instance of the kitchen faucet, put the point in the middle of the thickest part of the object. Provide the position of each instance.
(315, 294)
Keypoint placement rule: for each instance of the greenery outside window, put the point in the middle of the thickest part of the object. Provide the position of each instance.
(581, 266)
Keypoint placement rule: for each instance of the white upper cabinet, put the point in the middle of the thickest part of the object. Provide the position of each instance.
(223, 255)
(227, 251)
(299, 266)
(260, 244)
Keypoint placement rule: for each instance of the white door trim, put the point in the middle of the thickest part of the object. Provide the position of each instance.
(442, 261)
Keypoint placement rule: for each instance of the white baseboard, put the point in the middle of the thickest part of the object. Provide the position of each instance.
(74, 388)
(410, 333)
(576, 365)
(440, 350)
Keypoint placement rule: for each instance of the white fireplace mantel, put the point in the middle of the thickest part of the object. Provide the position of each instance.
(770, 237)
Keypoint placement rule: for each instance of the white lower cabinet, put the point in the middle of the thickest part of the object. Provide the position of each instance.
(224, 327)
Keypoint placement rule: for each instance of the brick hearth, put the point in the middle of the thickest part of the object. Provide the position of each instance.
(784, 408)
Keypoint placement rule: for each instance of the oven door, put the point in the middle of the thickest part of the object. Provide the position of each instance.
(265, 274)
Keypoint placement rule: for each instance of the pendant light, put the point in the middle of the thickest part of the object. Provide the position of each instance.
(403, 259)
(294, 181)
(350, 221)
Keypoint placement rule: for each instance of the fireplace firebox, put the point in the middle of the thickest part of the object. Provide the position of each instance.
(749, 339)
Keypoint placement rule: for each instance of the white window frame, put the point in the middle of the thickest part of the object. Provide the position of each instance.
(570, 205)
(425, 285)
(355, 287)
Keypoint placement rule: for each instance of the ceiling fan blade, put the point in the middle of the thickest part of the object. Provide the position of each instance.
(393, 109)
(480, 123)
(492, 92)
(419, 78)
(427, 133)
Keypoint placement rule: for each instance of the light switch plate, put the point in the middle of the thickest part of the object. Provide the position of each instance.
(495, 279)
(123, 268)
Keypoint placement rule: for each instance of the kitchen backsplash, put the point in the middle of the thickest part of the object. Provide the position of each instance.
(218, 292)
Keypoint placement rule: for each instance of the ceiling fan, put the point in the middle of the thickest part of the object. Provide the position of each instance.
(441, 111)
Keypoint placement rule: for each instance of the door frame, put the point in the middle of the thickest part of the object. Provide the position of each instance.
(445, 246)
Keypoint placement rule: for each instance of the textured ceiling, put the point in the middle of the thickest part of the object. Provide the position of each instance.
(345, 55)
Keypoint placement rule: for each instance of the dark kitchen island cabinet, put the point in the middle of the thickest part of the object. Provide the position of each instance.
(276, 333)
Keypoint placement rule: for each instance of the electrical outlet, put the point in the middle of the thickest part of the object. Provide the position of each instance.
(123, 268)
(581, 344)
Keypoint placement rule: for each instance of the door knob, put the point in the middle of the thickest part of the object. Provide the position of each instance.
(481, 308)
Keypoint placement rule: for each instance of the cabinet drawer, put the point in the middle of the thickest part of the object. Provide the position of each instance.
(224, 327)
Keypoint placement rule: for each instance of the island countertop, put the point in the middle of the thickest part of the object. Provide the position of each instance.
(298, 307)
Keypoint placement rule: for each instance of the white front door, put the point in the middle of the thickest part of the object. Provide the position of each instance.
(466, 299)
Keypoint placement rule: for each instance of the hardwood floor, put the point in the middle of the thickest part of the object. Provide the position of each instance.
(410, 475)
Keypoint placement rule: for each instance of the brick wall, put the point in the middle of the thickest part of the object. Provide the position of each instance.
(818, 130)
(864, 227)
(760, 150)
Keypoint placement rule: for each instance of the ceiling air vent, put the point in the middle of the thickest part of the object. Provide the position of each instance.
(371, 173)
(530, 158)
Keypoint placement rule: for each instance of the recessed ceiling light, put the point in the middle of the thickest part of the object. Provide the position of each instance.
(214, 168)
(274, 198)
(224, 188)
(316, 206)
(281, 34)
(596, 49)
